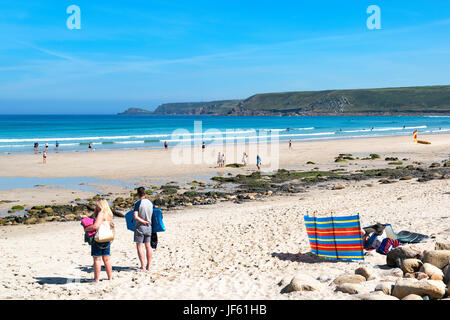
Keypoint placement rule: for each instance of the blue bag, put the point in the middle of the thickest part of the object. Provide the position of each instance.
(157, 221)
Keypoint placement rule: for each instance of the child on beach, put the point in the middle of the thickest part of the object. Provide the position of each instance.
(143, 211)
(101, 251)
(44, 157)
(258, 162)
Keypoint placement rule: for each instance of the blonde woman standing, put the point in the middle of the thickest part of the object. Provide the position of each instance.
(101, 251)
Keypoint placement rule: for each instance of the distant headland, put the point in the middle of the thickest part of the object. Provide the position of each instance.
(426, 100)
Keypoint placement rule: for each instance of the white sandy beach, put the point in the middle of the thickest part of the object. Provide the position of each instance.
(222, 251)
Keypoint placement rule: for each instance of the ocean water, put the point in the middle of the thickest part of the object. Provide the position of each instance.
(18, 133)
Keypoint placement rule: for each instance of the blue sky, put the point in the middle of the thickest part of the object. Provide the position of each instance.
(143, 53)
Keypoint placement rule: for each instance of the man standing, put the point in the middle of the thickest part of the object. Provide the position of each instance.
(143, 210)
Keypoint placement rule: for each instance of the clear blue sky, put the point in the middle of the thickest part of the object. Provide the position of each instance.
(143, 53)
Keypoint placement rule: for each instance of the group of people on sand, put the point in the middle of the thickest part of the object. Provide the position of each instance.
(45, 152)
(143, 210)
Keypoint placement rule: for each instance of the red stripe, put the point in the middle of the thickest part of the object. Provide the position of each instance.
(339, 249)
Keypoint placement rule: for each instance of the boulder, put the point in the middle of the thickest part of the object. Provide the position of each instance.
(438, 258)
(434, 273)
(442, 246)
(412, 297)
(366, 272)
(446, 272)
(433, 288)
(376, 295)
(302, 282)
(385, 287)
(395, 256)
(350, 288)
(411, 265)
(285, 281)
(70, 216)
(420, 275)
(396, 272)
(47, 210)
(355, 278)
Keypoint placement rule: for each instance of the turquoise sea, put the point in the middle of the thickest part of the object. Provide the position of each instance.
(18, 133)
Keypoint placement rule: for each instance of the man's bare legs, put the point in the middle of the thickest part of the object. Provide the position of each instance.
(140, 251)
(148, 248)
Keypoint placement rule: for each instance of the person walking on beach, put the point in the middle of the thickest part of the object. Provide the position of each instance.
(219, 160)
(258, 162)
(90, 146)
(44, 157)
(101, 251)
(166, 145)
(244, 159)
(36, 147)
(46, 146)
(203, 146)
(290, 144)
(57, 146)
(143, 210)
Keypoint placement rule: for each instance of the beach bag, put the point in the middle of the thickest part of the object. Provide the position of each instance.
(157, 221)
(105, 233)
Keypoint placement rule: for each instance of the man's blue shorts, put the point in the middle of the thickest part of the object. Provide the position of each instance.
(100, 249)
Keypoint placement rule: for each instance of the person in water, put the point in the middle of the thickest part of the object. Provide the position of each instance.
(36, 147)
(166, 145)
(57, 146)
(101, 251)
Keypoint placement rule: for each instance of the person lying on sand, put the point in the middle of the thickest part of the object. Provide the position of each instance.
(378, 240)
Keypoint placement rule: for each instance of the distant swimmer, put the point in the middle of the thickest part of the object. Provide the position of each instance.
(287, 129)
(36, 147)
(57, 146)
(90, 146)
(404, 127)
(371, 129)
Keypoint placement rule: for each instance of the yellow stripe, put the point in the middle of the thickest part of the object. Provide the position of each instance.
(312, 222)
